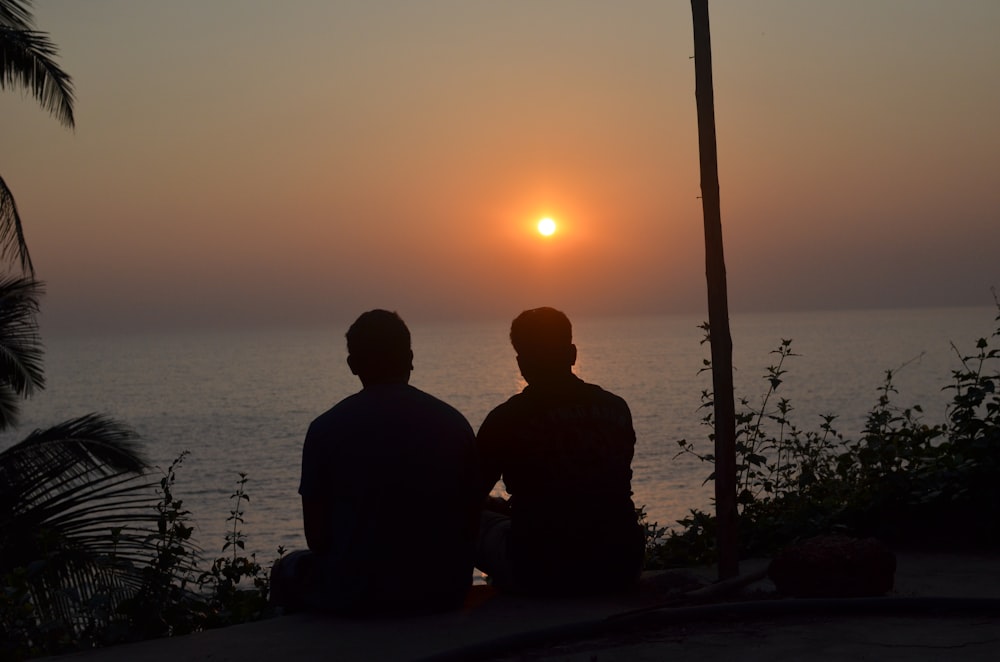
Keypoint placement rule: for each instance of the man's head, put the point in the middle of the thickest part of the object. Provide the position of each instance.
(378, 348)
(543, 340)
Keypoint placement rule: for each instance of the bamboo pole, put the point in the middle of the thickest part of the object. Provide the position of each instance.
(718, 300)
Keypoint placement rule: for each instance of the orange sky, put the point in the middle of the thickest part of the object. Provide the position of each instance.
(241, 162)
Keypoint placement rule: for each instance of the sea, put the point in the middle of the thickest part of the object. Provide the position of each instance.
(240, 401)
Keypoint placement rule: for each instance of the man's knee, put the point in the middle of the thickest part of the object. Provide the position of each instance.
(492, 556)
(288, 574)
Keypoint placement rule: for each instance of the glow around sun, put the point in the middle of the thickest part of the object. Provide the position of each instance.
(546, 227)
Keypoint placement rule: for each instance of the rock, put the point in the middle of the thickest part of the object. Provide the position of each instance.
(834, 566)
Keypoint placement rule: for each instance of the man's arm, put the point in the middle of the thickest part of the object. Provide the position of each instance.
(315, 517)
(487, 447)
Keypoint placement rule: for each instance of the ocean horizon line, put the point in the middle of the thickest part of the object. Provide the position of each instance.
(58, 329)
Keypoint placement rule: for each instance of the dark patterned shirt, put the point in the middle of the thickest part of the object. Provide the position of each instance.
(564, 453)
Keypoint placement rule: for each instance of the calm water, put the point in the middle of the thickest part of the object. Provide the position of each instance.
(242, 401)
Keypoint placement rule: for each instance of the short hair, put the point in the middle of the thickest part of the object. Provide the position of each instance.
(539, 331)
(380, 341)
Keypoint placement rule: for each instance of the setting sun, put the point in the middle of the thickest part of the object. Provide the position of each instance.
(546, 226)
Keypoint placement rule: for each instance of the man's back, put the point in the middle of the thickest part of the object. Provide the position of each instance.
(564, 450)
(395, 470)
(389, 498)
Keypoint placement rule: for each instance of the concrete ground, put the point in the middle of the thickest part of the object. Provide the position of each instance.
(943, 607)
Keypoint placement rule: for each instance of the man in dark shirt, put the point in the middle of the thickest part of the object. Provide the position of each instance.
(363, 460)
(563, 449)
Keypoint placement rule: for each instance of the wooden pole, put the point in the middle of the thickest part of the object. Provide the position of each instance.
(718, 300)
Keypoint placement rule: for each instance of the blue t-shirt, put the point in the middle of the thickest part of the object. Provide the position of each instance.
(397, 470)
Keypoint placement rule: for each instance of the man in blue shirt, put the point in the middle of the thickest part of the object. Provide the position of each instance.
(365, 461)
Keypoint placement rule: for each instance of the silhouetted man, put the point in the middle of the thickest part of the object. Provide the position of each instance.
(564, 451)
(365, 463)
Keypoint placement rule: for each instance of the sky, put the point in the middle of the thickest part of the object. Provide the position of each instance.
(240, 162)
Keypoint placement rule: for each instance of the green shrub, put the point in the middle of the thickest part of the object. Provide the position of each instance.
(902, 480)
(171, 597)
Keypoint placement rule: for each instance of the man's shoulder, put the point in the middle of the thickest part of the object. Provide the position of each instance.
(431, 403)
(385, 400)
(530, 399)
(582, 392)
(601, 393)
(425, 397)
(509, 407)
(342, 408)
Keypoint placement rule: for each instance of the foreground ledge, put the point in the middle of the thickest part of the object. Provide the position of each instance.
(493, 623)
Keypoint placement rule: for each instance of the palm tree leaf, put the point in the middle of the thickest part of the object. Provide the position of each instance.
(10, 408)
(71, 450)
(16, 14)
(71, 486)
(60, 469)
(21, 350)
(27, 60)
(79, 507)
(12, 242)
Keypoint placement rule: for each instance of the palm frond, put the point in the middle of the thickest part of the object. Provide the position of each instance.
(27, 60)
(16, 14)
(21, 351)
(58, 529)
(13, 245)
(10, 408)
(77, 447)
(80, 510)
(56, 481)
